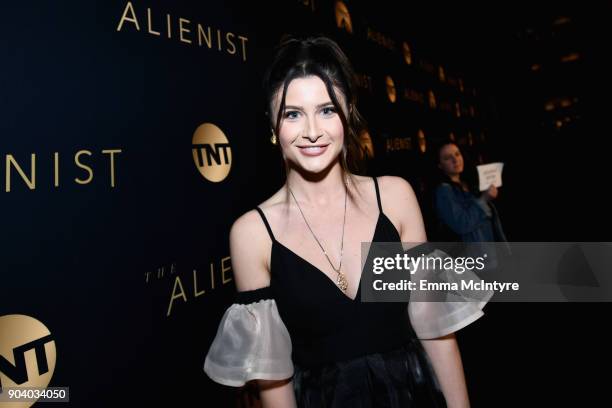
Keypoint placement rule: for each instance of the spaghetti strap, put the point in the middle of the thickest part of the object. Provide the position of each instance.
(263, 217)
(377, 194)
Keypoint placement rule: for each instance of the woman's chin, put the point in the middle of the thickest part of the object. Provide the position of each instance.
(313, 165)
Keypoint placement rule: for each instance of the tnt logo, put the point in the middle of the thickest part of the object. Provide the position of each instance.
(27, 354)
(212, 153)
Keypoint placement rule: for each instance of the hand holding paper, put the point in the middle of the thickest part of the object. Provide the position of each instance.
(490, 174)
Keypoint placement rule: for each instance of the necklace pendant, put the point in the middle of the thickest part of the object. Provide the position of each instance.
(342, 282)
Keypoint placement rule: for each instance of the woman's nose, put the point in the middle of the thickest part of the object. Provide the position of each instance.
(312, 131)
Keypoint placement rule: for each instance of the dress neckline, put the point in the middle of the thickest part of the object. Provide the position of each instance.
(324, 275)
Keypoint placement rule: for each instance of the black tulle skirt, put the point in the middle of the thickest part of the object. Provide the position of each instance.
(398, 378)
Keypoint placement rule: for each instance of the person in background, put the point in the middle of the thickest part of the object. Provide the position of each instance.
(463, 215)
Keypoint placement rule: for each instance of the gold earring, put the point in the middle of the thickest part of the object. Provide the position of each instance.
(273, 138)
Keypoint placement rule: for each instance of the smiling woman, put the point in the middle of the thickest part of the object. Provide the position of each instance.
(310, 125)
(314, 98)
(298, 326)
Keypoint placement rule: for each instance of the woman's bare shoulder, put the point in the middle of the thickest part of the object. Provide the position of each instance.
(395, 187)
(251, 221)
(401, 206)
(250, 248)
(248, 224)
(390, 186)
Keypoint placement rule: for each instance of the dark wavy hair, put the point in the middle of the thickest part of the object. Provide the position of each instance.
(322, 57)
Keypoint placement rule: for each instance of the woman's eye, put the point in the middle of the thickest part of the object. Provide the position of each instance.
(328, 110)
(291, 114)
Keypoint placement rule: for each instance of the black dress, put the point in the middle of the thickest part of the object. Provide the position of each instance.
(343, 352)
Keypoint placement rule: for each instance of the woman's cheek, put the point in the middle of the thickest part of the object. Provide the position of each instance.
(288, 132)
(335, 128)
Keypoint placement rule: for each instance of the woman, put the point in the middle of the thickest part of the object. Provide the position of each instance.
(297, 325)
(469, 218)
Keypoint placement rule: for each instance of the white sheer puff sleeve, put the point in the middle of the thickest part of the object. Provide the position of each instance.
(252, 342)
(433, 319)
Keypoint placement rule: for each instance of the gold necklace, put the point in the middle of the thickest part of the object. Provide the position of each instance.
(341, 279)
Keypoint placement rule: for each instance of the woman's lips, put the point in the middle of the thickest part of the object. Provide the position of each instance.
(313, 150)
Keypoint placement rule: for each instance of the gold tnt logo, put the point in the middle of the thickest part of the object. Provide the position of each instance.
(27, 354)
(212, 153)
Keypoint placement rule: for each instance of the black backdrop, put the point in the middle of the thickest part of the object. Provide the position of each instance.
(130, 270)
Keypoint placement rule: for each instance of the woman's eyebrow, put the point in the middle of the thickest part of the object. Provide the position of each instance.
(301, 108)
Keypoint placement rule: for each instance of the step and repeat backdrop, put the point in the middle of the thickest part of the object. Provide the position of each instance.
(132, 135)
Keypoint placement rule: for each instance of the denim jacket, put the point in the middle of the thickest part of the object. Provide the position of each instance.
(471, 218)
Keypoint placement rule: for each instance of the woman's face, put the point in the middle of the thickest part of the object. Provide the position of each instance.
(311, 134)
(451, 160)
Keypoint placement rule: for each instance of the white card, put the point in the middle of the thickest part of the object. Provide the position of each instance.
(490, 174)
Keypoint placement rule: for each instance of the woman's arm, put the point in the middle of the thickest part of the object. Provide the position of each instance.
(277, 394)
(445, 358)
(443, 352)
(249, 254)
